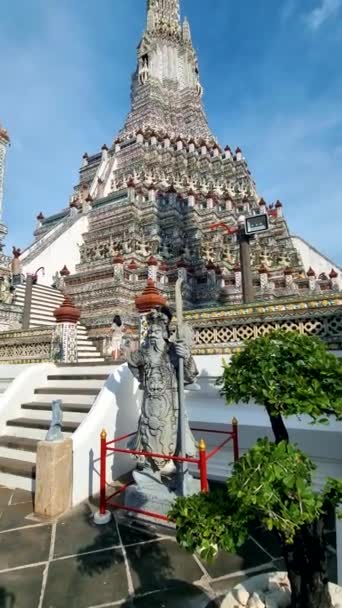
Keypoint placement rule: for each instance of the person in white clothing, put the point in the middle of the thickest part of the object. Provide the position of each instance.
(117, 334)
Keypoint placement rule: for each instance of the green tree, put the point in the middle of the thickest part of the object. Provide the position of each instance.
(289, 374)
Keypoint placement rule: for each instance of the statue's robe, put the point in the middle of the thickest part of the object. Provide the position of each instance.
(158, 429)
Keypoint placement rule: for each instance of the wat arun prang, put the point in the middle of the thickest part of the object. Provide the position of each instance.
(164, 199)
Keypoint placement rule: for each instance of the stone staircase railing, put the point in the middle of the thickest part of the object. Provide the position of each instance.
(31, 252)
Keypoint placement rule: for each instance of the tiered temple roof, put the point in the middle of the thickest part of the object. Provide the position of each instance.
(167, 189)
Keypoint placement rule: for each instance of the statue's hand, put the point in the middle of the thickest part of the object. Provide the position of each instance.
(182, 350)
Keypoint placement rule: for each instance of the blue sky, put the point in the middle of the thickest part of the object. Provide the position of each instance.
(272, 75)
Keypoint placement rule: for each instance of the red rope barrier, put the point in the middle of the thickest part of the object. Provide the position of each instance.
(215, 450)
(152, 455)
(201, 462)
(103, 473)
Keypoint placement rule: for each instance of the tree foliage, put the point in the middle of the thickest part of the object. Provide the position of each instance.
(271, 484)
(289, 373)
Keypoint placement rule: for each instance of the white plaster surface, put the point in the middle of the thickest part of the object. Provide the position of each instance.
(116, 410)
(311, 257)
(207, 409)
(64, 250)
(21, 389)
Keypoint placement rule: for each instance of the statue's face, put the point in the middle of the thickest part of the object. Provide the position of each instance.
(155, 335)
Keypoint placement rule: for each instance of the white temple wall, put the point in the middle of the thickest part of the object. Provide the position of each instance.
(64, 250)
(311, 257)
(116, 410)
(207, 409)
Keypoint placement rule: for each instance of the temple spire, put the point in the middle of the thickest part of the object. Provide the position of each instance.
(166, 12)
(166, 90)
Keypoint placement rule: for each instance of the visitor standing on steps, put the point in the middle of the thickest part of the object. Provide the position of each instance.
(117, 333)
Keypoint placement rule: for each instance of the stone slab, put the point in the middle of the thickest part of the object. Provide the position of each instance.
(15, 516)
(90, 580)
(26, 546)
(21, 588)
(76, 532)
(53, 478)
(161, 565)
(248, 556)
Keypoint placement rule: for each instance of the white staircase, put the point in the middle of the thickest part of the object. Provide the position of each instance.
(78, 388)
(44, 301)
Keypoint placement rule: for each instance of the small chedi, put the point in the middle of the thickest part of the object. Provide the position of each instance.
(158, 481)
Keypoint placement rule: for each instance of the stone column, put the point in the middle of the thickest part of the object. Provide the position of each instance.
(27, 301)
(53, 478)
(263, 273)
(64, 340)
(152, 264)
(312, 279)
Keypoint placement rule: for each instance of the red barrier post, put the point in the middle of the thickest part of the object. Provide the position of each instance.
(203, 465)
(235, 426)
(103, 473)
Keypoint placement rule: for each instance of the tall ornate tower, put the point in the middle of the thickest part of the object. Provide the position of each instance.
(164, 199)
(4, 142)
(167, 67)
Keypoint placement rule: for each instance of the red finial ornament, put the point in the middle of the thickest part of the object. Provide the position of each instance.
(67, 312)
(65, 271)
(150, 298)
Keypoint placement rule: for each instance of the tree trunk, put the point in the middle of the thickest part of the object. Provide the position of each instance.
(278, 427)
(307, 568)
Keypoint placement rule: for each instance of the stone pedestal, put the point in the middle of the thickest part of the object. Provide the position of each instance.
(152, 496)
(53, 477)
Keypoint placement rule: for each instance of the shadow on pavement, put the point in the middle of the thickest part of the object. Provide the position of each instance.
(7, 599)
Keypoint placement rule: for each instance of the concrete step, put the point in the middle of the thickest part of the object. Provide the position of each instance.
(18, 443)
(37, 297)
(44, 307)
(53, 390)
(88, 347)
(29, 423)
(84, 376)
(18, 448)
(39, 317)
(18, 468)
(85, 368)
(77, 384)
(82, 408)
(46, 415)
(47, 290)
(41, 323)
(32, 432)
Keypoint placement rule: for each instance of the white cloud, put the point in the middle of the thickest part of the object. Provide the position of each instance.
(320, 14)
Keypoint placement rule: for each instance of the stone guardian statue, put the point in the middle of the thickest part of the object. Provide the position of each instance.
(156, 366)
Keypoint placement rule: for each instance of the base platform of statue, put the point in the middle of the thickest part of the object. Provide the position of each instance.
(151, 496)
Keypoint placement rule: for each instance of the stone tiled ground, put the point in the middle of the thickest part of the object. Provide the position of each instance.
(72, 563)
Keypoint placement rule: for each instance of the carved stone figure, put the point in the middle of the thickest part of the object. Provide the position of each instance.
(155, 365)
(55, 431)
(6, 291)
(16, 267)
